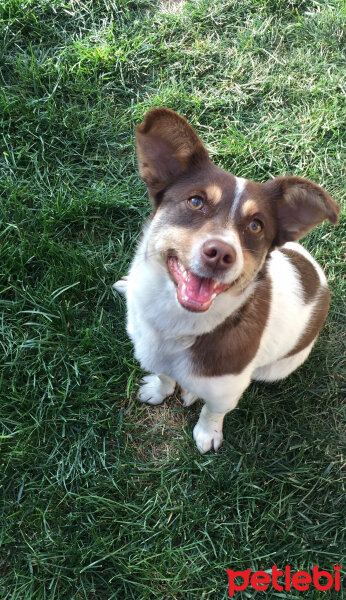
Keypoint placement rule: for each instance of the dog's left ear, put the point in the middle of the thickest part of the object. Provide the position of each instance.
(167, 146)
(299, 205)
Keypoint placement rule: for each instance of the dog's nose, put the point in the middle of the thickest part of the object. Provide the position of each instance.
(218, 254)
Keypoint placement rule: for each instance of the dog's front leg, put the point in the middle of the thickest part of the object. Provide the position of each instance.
(155, 388)
(208, 430)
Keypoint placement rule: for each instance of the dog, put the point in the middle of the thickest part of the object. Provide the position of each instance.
(219, 292)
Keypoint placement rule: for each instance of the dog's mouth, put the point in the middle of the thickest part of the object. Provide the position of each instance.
(194, 292)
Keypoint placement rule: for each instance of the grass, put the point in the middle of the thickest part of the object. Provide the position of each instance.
(102, 498)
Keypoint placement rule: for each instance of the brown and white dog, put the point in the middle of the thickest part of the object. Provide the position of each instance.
(219, 292)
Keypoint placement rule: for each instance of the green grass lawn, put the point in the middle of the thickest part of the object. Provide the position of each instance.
(102, 498)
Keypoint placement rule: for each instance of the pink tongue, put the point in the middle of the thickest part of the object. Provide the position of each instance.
(198, 289)
(194, 292)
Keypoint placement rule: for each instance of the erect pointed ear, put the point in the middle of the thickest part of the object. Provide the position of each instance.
(166, 147)
(299, 205)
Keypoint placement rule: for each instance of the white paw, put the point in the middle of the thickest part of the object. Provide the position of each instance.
(188, 398)
(121, 285)
(207, 438)
(154, 390)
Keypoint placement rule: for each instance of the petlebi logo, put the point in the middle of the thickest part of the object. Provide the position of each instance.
(300, 580)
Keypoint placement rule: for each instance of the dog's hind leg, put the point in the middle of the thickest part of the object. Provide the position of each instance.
(155, 388)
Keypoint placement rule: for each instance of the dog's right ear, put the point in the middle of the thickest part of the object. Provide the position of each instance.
(167, 146)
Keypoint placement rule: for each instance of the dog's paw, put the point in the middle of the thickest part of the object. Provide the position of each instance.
(188, 398)
(121, 285)
(207, 439)
(154, 390)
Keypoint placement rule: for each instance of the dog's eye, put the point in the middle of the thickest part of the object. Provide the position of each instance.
(255, 226)
(195, 202)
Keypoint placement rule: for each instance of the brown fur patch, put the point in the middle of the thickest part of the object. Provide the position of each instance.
(318, 318)
(308, 275)
(167, 146)
(230, 347)
(299, 205)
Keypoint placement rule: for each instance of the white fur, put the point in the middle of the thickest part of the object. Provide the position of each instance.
(207, 432)
(162, 331)
(155, 388)
(283, 367)
(121, 285)
(188, 398)
(288, 316)
(240, 183)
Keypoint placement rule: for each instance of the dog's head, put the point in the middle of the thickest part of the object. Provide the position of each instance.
(211, 230)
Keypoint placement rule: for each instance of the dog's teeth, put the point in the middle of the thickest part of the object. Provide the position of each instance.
(182, 270)
(183, 293)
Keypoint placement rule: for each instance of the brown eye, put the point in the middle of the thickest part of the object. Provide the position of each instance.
(195, 202)
(255, 226)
